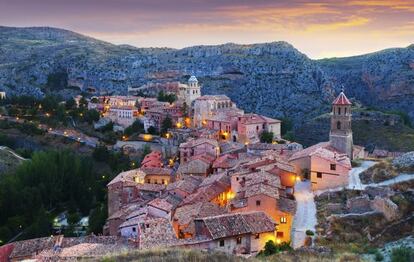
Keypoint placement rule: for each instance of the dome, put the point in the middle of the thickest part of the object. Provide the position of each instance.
(192, 79)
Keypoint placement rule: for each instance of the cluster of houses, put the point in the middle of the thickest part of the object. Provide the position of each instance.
(227, 191)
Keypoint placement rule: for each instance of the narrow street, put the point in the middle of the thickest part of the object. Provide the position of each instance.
(305, 217)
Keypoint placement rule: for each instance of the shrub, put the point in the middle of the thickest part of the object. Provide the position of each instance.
(270, 248)
(309, 233)
(379, 256)
(266, 137)
(402, 254)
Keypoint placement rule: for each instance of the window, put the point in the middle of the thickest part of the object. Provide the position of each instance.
(283, 220)
(345, 110)
(163, 181)
(257, 202)
(319, 175)
(339, 111)
(238, 240)
(222, 243)
(134, 229)
(279, 234)
(338, 125)
(257, 236)
(333, 166)
(149, 181)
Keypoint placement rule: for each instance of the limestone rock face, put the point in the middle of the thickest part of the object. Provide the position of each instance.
(273, 79)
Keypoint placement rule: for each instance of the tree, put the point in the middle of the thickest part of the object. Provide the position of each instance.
(402, 254)
(50, 103)
(287, 125)
(170, 98)
(91, 116)
(136, 128)
(266, 137)
(184, 109)
(146, 150)
(83, 103)
(166, 124)
(152, 130)
(70, 104)
(97, 218)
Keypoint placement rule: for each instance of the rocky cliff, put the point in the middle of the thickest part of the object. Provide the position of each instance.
(273, 79)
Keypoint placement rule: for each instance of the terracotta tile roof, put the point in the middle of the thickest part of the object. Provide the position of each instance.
(225, 161)
(157, 232)
(221, 178)
(127, 176)
(187, 184)
(237, 224)
(261, 189)
(341, 100)
(156, 171)
(287, 205)
(195, 166)
(257, 119)
(326, 151)
(150, 187)
(185, 215)
(162, 204)
(31, 247)
(206, 193)
(213, 97)
(199, 141)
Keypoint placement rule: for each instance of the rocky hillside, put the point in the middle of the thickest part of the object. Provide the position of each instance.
(273, 79)
(383, 80)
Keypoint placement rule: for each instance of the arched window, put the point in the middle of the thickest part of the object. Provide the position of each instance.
(338, 125)
(339, 111)
(345, 110)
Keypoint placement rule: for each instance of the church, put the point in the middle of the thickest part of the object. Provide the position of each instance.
(327, 164)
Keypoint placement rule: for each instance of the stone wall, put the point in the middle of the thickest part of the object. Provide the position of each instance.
(358, 204)
(388, 208)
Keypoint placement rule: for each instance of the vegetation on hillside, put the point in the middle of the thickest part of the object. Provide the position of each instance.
(53, 182)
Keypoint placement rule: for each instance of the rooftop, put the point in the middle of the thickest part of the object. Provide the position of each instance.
(237, 224)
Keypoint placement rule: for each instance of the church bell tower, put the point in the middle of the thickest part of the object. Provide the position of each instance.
(340, 136)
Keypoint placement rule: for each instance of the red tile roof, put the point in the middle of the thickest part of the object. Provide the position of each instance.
(341, 100)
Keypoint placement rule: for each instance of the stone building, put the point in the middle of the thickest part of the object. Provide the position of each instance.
(237, 233)
(190, 92)
(207, 106)
(340, 136)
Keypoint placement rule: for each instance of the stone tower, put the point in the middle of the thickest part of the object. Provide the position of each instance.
(340, 136)
(192, 92)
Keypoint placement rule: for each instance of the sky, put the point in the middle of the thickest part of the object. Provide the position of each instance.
(324, 28)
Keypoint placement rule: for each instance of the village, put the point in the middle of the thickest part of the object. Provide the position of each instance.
(216, 178)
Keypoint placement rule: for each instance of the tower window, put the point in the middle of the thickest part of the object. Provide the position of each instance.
(339, 111)
(345, 110)
(338, 125)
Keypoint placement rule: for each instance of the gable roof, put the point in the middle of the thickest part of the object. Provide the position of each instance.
(237, 224)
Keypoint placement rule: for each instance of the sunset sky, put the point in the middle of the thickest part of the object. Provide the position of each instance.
(317, 28)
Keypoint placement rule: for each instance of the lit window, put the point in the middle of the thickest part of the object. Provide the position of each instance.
(283, 220)
(279, 234)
